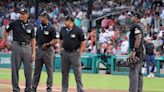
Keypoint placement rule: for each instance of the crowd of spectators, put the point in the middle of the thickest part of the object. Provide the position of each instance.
(112, 35)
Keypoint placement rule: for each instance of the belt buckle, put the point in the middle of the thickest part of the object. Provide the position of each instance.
(23, 43)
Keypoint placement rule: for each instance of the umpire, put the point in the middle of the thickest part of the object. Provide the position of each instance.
(23, 40)
(46, 38)
(136, 46)
(73, 43)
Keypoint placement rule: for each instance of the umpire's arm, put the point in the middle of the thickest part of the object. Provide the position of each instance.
(83, 41)
(82, 47)
(33, 43)
(54, 38)
(8, 28)
(60, 41)
(137, 43)
(138, 39)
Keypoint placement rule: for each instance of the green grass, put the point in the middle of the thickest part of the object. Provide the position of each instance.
(96, 81)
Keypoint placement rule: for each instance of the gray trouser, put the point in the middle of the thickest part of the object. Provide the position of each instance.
(43, 57)
(68, 59)
(136, 78)
(21, 54)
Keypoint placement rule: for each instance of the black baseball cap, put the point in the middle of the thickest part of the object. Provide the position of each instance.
(67, 18)
(44, 14)
(23, 11)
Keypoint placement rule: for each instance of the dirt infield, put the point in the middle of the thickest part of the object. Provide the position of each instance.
(5, 86)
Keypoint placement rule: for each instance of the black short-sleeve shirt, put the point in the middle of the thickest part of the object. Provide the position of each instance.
(135, 30)
(22, 32)
(71, 38)
(149, 48)
(44, 34)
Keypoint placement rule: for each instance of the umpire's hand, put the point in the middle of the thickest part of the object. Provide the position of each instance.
(33, 57)
(44, 46)
(132, 55)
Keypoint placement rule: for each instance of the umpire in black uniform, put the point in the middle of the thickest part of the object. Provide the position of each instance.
(136, 46)
(46, 38)
(72, 43)
(23, 40)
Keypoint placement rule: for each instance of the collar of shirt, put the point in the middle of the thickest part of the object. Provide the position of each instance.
(43, 26)
(68, 30)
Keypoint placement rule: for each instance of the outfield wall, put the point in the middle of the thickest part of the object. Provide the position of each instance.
(93, 63)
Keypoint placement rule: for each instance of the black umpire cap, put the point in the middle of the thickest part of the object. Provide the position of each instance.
(44, 14)
(23, 11)
(69, 18)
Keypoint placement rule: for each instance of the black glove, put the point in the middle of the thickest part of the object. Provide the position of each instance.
(132, 62)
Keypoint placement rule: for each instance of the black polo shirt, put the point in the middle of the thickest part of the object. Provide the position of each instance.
(71, 38)
(135, 30)
(149, 48)
(22, 32)
(44, 34)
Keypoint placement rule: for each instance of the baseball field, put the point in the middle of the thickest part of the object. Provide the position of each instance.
(92, 82)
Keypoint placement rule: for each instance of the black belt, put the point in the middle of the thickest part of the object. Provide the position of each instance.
(67, 50)
(21, 43)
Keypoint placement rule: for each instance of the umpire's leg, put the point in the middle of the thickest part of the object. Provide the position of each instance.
(27, 61)
(48, 59)
(15, 65)
(140, 80)
(37, 70)
(135, 77)
(75, 61)
(65, 65)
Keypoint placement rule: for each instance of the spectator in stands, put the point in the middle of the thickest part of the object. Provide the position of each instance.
(1, 30)
(1, 22)
(105, 22)
(162, 17)
(78, 21)
(85, 24)
(150, 57)
(12, 15)
(121, 19)
(91, 41)
(124, 46)
(111, 50)
(103, 36)
(2, 43)
(6, 50)
(158, 44)
(6, 21)
(157, 22)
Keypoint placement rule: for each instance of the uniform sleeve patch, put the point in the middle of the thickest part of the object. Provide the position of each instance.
(85, 37)
(137, 31)
(7, 27)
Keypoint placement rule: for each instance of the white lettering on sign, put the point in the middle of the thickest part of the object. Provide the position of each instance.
(5, 61)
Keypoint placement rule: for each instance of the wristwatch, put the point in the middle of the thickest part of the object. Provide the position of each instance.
(48, 44)
(134, 49)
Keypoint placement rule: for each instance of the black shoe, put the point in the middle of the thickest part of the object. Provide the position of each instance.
(33, 90)
(49, 90)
